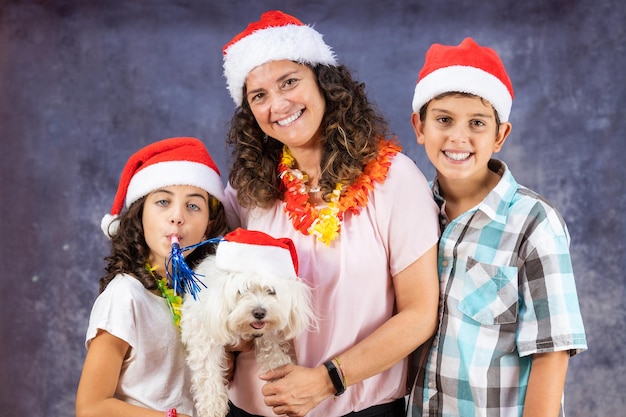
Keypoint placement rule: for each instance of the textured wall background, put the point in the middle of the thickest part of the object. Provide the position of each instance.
(83, 84)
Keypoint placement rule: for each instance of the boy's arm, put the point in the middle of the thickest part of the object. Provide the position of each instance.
(546, 384)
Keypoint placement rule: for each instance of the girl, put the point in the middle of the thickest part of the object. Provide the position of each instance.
(135, 365)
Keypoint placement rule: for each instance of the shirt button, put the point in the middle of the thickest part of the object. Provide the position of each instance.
(444, 263)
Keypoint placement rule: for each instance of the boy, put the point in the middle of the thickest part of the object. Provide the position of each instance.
(508, 298)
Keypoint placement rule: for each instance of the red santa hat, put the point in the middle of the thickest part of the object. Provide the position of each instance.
(174, 161)
(253, 251)
(466, 68)
(276, 36)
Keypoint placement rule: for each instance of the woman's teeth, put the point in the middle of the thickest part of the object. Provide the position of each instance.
(457, 156)
(290, 119)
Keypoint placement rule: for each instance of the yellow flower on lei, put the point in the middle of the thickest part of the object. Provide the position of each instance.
(174, 301)
(325, 223)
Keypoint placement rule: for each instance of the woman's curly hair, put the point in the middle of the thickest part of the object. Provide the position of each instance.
(129, 250)
(351, 131)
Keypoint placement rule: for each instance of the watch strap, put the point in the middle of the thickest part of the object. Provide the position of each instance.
(335, 377)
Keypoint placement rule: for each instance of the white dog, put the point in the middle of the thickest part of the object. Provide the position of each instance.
(253, 292)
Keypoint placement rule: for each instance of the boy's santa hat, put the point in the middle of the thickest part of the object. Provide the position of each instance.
(253, 251)
(466, 68)
(174, 161)
(276, 36)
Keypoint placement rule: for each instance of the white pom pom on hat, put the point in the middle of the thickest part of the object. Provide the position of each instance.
(257, 252)
(173, 161)
(276, 36)
(465, 68)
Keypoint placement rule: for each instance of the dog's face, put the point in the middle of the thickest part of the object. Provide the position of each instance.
(258, 307)
(238, 305)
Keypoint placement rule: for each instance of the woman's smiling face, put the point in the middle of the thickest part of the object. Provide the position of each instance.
(286, 102)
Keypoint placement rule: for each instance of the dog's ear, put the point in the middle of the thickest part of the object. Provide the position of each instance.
(207, 315)
(223, 296)
(301, 316)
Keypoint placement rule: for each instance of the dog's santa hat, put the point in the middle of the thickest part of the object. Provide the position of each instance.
(465, 68)
(174, 161)
(254, 251)
(276, 36)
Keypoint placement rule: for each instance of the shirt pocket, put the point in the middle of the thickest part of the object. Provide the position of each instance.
(490, 293)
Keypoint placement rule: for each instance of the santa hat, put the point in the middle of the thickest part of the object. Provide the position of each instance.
(174, 161)
(466, 68)
(253, 251)
(276, 36)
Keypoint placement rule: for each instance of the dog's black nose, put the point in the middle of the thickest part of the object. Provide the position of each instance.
(259, 313)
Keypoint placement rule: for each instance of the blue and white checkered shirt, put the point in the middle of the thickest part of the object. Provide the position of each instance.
(507, 292)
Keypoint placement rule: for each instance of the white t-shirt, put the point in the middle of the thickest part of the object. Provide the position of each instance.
(352, 282)
(154, 375)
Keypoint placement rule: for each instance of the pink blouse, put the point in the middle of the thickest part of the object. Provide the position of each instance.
(352, 283)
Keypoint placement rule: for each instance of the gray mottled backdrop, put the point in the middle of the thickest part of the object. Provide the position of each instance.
(83, 84)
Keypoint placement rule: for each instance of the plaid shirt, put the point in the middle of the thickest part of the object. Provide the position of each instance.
(507, 292)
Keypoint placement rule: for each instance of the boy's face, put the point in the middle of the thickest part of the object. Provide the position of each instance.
(460, 134)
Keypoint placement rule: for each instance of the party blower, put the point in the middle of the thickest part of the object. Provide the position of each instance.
(182, 278)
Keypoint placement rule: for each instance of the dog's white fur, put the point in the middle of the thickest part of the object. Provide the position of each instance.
(239, 306)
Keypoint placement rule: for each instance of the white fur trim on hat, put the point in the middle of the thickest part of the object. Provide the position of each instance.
(464, 79)
(110, 224)
(164, 174)
(252, 258)
(301, 44)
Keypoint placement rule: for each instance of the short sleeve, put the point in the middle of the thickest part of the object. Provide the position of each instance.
(233, 210)
(407, 214)
(113, 311)
(550, 318)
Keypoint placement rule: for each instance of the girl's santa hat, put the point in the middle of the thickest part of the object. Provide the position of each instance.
(174, 161)
(276, 36)
(465, 68)
(253, 251)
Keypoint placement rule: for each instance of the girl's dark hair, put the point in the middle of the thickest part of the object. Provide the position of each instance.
(351, 130)
(129, 250)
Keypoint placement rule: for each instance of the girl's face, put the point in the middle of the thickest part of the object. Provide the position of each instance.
(460, 135)
(286, 102)
(179, 210)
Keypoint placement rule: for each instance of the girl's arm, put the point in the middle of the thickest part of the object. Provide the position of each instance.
(99, 379)
(416, 288)
(546, 384)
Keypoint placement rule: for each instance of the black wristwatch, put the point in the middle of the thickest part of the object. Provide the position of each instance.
(335, 378)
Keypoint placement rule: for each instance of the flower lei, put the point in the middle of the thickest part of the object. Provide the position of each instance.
(174, 301)
(325, 223)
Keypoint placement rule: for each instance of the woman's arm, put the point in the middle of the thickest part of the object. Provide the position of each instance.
(416, 289)
(99, 379)
(417, 298)
(546, 384)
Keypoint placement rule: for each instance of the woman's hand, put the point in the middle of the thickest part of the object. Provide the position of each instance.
(295, 390)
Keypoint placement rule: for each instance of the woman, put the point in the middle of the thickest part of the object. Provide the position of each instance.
(312, 162)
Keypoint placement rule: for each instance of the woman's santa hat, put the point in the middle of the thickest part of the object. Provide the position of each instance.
(466, 68)
(276, 36)
(254, 251)
(174, 161)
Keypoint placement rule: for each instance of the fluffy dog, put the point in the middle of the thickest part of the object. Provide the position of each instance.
(253, 292)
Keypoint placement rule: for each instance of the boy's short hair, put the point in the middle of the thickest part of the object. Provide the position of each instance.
(465, 68)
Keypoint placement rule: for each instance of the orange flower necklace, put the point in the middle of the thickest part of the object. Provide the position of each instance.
(325, 223)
